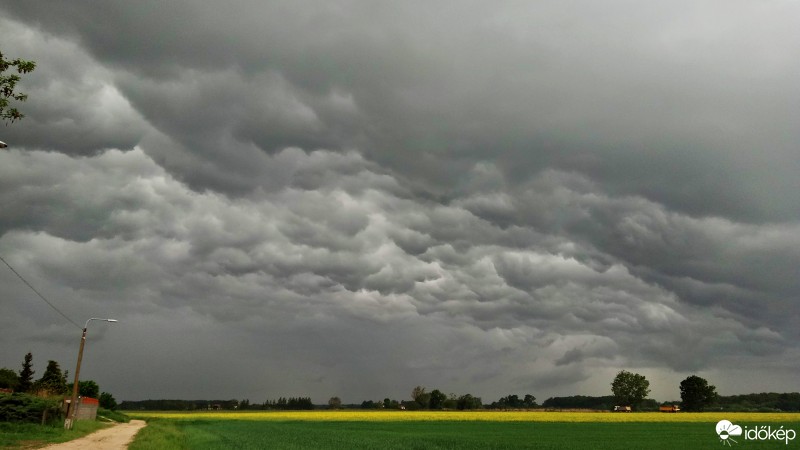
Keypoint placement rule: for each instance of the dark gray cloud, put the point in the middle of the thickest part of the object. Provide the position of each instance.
(359, 198)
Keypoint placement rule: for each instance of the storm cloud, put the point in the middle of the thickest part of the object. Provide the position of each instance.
(356, 198)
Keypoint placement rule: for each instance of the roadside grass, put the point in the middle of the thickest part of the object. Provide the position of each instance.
(482, 430)
(30, 435)
(160, 434)
(116, 416)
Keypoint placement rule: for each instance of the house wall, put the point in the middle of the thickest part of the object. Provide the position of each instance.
(87, 408)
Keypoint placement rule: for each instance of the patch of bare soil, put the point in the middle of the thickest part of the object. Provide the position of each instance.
(116, 437)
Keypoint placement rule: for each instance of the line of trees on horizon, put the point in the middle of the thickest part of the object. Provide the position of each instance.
(629, 389)
(760, 402)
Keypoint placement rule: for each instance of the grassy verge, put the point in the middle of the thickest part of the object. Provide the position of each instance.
(212, 434)
(109, 415)
(31, 435)
(160, 434)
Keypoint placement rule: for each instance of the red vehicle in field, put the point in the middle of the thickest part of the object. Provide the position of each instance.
(669, 408)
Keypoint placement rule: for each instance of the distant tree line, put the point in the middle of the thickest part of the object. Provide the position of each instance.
(421, 399)
(629, 389)
(696, 394)
(602, 403)
(514, 402)
(438, 400)
(291, 403)
(765, 401)
(282, 403)
(178, 405)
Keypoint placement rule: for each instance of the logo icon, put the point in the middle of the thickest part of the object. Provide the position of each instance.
(726, 430)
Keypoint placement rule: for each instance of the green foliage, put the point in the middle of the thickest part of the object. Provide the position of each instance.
(20, 407)
(8, 85)
(116, 416)
(421, 397)
(53, 380)
(291, 403)
(604, 403)
(649, 404)
(765, 401)
(411, 405)
(514, 402)
(26, 374)
(334, 403)
(468, 402)
(369, 404)
(8, 379)
(107, 401)
(630, 388)
(172, 405)
(696, 393)
(451, 402)
(436, 399)
(87, 388)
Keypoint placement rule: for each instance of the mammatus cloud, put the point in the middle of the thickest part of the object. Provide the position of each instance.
(353, 200)
(351, 258)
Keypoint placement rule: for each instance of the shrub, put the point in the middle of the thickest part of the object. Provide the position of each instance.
(27, 408)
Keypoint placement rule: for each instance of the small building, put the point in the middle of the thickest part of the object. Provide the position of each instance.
(87, 408)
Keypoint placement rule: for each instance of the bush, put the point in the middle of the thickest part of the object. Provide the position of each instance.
(27, 408)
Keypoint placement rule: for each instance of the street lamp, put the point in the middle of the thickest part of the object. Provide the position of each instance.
(73, 405)
(3, 144)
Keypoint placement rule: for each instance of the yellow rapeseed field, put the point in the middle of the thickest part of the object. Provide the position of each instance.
(488, 416)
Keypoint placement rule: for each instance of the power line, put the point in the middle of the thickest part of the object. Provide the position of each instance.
(39, 294)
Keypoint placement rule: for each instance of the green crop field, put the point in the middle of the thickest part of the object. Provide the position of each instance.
(453, 431)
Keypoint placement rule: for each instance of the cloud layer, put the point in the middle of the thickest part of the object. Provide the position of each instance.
(357, 199)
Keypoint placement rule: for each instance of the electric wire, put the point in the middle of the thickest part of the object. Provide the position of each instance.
(39, 294)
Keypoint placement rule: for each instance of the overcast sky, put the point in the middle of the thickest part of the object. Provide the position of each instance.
(353, 198)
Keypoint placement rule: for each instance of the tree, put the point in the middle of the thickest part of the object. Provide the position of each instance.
(8, 379)
(7, 85)
(26, 374)
(52, 380)
(630, 388)
(451, 402)
(107, 401)
(335, 403)
(436, 399)
(512, 401)
(87, 388)
(467, 401)
(421, 397)
(696, 393)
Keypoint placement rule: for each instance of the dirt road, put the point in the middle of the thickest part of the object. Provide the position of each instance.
(115, 438)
